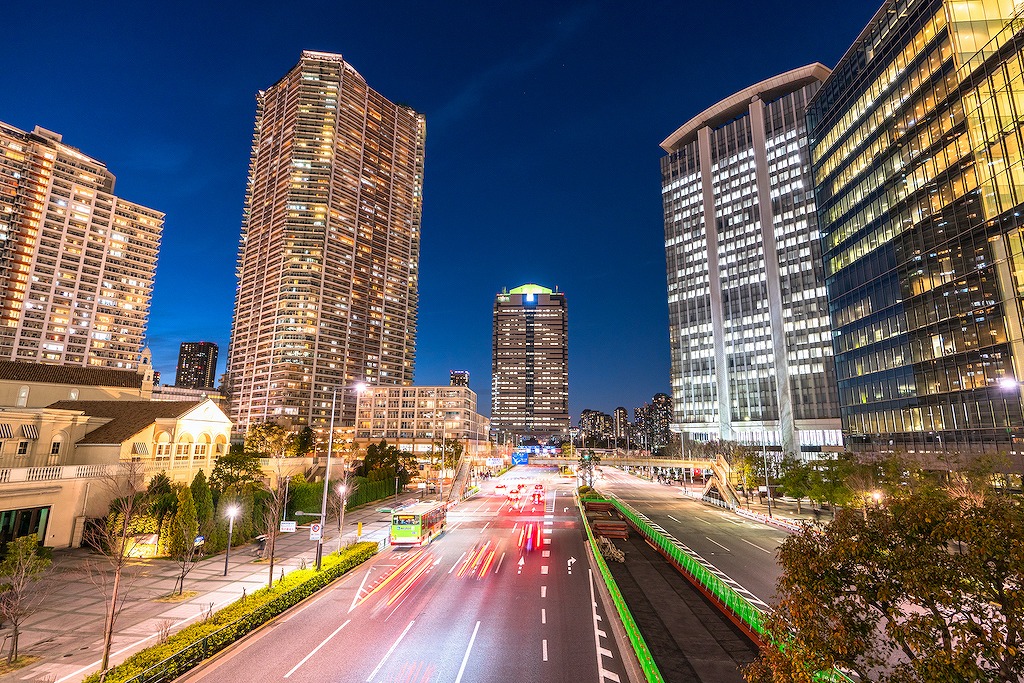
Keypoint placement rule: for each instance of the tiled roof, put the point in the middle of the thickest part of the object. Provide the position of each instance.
(127, 418)
(69, 374)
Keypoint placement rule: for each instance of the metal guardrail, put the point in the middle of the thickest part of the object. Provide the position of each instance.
(636, 639)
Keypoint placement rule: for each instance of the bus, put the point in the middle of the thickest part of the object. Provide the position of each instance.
(418, 524)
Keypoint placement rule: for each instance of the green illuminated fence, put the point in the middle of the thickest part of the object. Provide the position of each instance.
(651, 672)
(723, 592)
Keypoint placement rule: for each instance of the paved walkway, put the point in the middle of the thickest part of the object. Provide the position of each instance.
(66, 632)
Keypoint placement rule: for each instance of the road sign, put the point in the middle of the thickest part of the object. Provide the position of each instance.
(494, 462)
(316, 530)
(199, 541)
(288, 526)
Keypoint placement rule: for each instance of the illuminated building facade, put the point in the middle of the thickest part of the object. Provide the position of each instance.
(652, 422)
(415, 418)
(197, 365)
(76, 262)
(530, 364)
(919, 177)
(750, 340)
(328, 263)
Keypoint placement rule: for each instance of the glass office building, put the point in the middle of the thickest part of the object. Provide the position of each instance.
(750, 340)
(919, 178)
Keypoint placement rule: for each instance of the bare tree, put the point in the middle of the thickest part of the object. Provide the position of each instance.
(117, 539)
(272, 509)
(20, 592)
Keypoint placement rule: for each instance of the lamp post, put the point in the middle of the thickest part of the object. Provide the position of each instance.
(444, 448)
(341, 513)
(767, 484)
(327, 480)
(232, 511)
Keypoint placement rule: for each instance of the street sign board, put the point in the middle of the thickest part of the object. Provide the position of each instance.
(421, 485)
(494, 462)
(199, 540)
(520, 458)
(288, 526)
(316, 530)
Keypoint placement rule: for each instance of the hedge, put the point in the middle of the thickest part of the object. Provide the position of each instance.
(195, 643)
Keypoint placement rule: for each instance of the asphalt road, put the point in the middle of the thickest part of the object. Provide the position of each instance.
(480, 603)
(740, 551)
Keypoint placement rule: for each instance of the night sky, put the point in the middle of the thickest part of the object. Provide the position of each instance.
(542, 164)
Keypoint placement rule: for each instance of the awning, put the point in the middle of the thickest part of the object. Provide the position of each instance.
(30, 431)
(140, 449)
(5, 432)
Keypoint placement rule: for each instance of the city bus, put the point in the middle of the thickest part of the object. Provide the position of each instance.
(418, 524)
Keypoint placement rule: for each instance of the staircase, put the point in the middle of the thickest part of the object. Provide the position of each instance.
(458, 488)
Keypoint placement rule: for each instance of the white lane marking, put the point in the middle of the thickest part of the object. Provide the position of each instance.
(704, 520)
(543, 616)
(610, 675)
(465, 658)
(756, 546)
(360, 591)
(544, 569)
(543, 591)
(544, 648)
(673, 519)
(388, 653)
(485, 526)
(718, 544)
(500, 560)
(515, 526)
(316, 649)
(457, 562)
(545, 553)
(601, 652)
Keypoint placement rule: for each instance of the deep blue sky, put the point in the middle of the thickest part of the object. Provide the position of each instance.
(543, 125)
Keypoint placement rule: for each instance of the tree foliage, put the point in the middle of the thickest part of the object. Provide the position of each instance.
(203, 499)
(384, 461)
(926, 588)
(20, 572)
(236, 469)
(184, 530)
(268, 440)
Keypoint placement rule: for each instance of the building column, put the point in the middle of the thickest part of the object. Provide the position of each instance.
(717, 315)
(773, 285)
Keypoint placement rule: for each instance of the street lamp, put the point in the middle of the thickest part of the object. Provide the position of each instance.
(232, 511)
(341, 514)
(767, 484)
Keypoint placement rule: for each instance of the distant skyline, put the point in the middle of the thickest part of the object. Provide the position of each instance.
(542, 162)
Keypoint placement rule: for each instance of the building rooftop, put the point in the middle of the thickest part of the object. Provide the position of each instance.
(531, 289)
(69, 374)
(737, 104)
(127, 418)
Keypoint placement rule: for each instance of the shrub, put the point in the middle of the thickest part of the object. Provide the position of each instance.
(199, 641)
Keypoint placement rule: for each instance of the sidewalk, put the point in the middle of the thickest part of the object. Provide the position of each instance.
(66, 631)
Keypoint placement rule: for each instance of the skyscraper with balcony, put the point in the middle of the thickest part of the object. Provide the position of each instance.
(76, 262)
(197, 365)
(530, 364)
(328, 262)
(749, 330)
(918, 162)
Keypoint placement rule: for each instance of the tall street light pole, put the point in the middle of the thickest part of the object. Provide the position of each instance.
(767, 485)
(327, 481)
(444, 449)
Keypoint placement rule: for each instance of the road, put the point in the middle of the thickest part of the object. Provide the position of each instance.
(481, 603)
(742, 552)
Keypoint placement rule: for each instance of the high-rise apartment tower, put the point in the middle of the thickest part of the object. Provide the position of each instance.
(197, 365)
(329, 256)
(76, 262)
(918, 154)
(748, 323)
(530, 364)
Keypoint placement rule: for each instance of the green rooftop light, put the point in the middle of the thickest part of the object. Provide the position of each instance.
(531, 289)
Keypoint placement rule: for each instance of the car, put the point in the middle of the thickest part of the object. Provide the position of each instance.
(500, 488)
(538, 487)
(537, 497)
